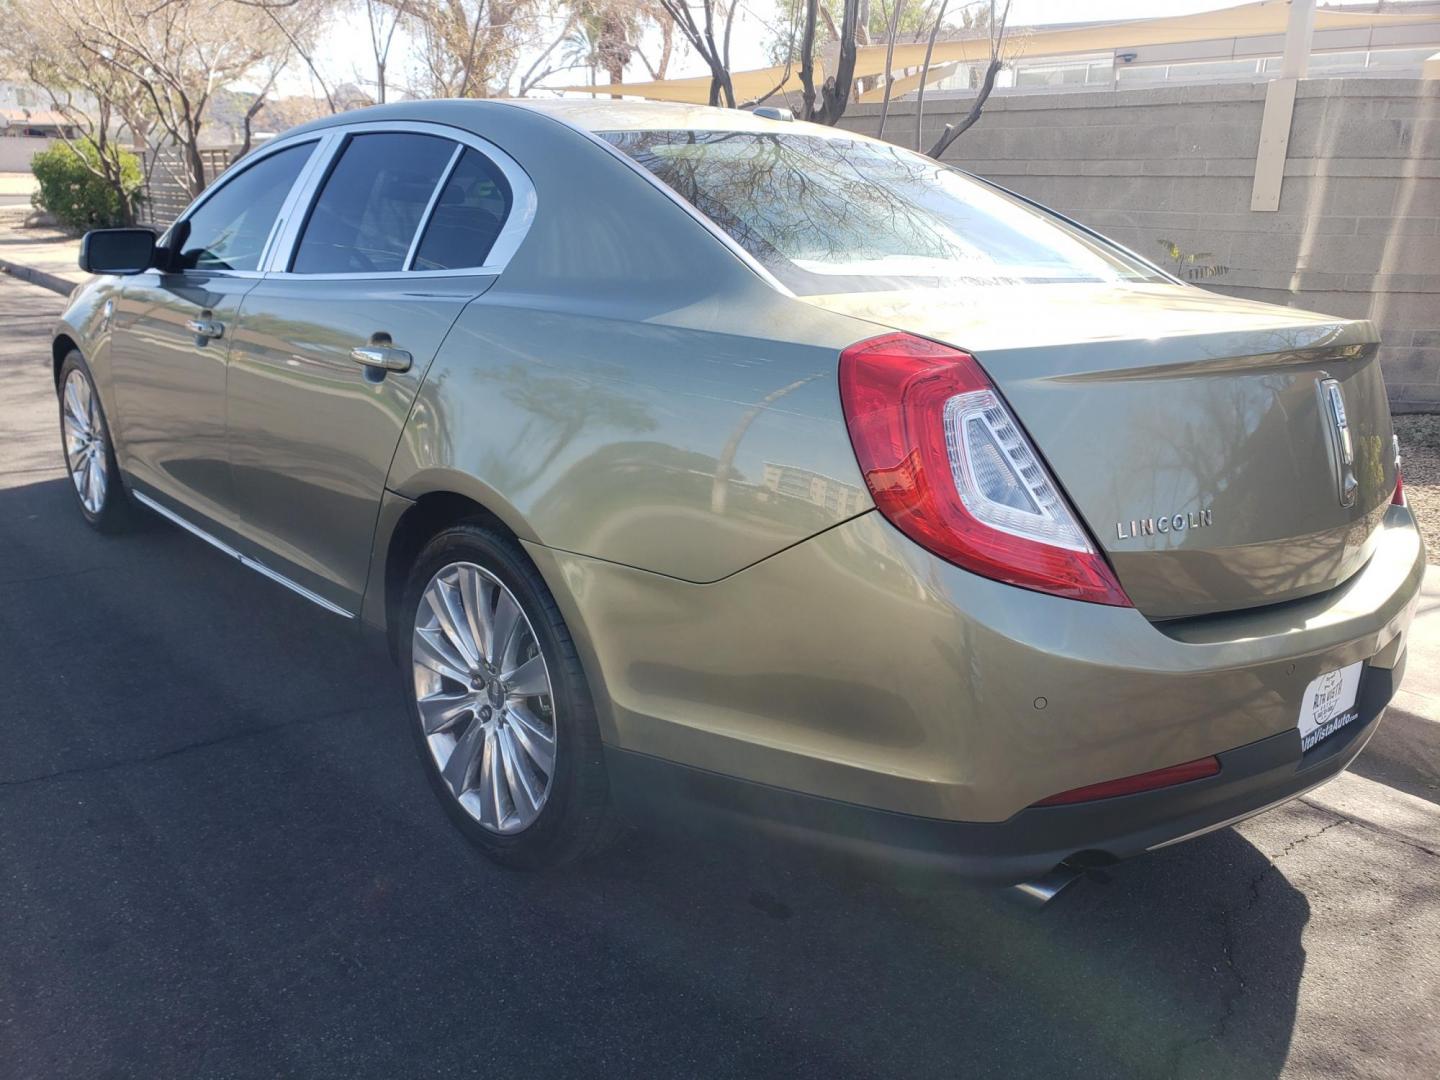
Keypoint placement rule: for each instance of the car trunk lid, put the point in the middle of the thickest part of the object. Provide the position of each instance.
(1194, 433)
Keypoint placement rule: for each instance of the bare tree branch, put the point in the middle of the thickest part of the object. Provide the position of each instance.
(889, 62)
(952, 132)
(703, 42)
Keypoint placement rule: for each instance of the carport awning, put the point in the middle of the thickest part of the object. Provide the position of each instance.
(1248, 20)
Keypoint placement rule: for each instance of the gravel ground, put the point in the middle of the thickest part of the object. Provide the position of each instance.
(1420, 458)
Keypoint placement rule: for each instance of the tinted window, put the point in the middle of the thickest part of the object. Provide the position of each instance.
(372, 203)
(467, 219)
(835, 215)
(228, 231)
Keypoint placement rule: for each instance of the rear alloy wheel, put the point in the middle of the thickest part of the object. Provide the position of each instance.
(89, 455)
(483, 691)
(500, 706)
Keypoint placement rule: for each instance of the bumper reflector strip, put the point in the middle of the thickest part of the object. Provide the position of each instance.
(1146, 781)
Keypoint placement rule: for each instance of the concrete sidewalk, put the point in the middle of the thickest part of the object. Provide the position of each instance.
(45, 257)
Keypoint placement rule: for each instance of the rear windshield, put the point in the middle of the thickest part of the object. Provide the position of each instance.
(827, 215)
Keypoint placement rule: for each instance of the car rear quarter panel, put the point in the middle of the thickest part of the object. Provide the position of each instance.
(676, 444)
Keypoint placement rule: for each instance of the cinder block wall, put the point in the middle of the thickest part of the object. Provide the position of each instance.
(1356, 233)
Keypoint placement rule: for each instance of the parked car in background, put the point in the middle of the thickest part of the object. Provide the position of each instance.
(685, 454)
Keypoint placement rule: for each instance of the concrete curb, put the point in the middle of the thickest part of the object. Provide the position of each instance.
(46, 280)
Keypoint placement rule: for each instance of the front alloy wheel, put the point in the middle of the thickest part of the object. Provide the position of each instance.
(89, 452)
(483, 692)
(85, 443)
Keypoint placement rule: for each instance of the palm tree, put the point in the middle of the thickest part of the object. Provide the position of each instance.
(604, 35)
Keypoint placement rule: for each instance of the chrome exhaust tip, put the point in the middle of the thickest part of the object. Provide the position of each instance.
(1036, 894)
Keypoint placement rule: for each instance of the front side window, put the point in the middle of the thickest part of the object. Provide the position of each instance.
(828, 215)
(229, 230)
(372, 203)
(467, 218)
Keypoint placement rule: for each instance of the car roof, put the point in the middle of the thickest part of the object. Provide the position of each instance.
(611, 115)
(587, 115)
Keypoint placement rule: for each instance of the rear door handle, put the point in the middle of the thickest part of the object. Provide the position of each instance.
(207, 328)
(383, 357)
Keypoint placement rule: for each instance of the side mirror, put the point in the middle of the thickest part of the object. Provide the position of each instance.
(117, 251)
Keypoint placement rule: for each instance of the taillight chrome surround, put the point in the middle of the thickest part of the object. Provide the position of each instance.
(951, 468)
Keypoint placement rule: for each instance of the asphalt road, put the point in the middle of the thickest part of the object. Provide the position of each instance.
(218, 857)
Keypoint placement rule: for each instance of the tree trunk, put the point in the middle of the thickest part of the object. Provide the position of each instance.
(807, 60)
(195, 164)
(614, 48)
(667, 45)
(721, 86)
(889, 63)
(835, 94)
(925, 73)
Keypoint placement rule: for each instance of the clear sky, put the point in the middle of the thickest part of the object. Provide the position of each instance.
(344, 52)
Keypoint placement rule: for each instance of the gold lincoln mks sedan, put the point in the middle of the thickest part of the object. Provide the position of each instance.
(686, 456)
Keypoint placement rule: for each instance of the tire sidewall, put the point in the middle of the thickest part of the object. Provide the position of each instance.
(577, 753)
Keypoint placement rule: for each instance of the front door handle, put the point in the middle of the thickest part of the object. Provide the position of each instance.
(207, 328)
(381, 357)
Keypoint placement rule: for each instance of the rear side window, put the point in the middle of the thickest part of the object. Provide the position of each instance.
(828, 215)
(372, 203)
(229, 230)
(468, 217)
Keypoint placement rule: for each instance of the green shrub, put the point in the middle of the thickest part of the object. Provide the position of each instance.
(76, 195)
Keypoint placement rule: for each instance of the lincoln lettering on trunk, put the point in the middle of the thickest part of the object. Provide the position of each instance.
(1195, 519)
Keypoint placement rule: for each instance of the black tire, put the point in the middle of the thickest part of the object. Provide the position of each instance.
(116, 512)
(576, 818)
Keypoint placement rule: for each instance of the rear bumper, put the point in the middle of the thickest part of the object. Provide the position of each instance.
(859, 668)
(1252, 779)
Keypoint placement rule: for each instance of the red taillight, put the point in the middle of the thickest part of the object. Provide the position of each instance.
(950, 468)
(1147, 781)
(1398, 499)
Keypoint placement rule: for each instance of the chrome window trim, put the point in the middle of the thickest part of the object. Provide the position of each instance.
(384, 275)
(233, 171)
(523, 204)
(670, 193)
(255, 274)
(244, 560)
(425, 214)
(290, 218)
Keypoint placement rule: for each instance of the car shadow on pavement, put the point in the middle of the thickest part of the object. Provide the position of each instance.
(219, 856)
(1408, 759)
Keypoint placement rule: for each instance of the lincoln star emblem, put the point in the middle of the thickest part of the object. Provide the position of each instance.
(1342, 448)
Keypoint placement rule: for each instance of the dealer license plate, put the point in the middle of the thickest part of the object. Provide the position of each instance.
(1329, 704)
